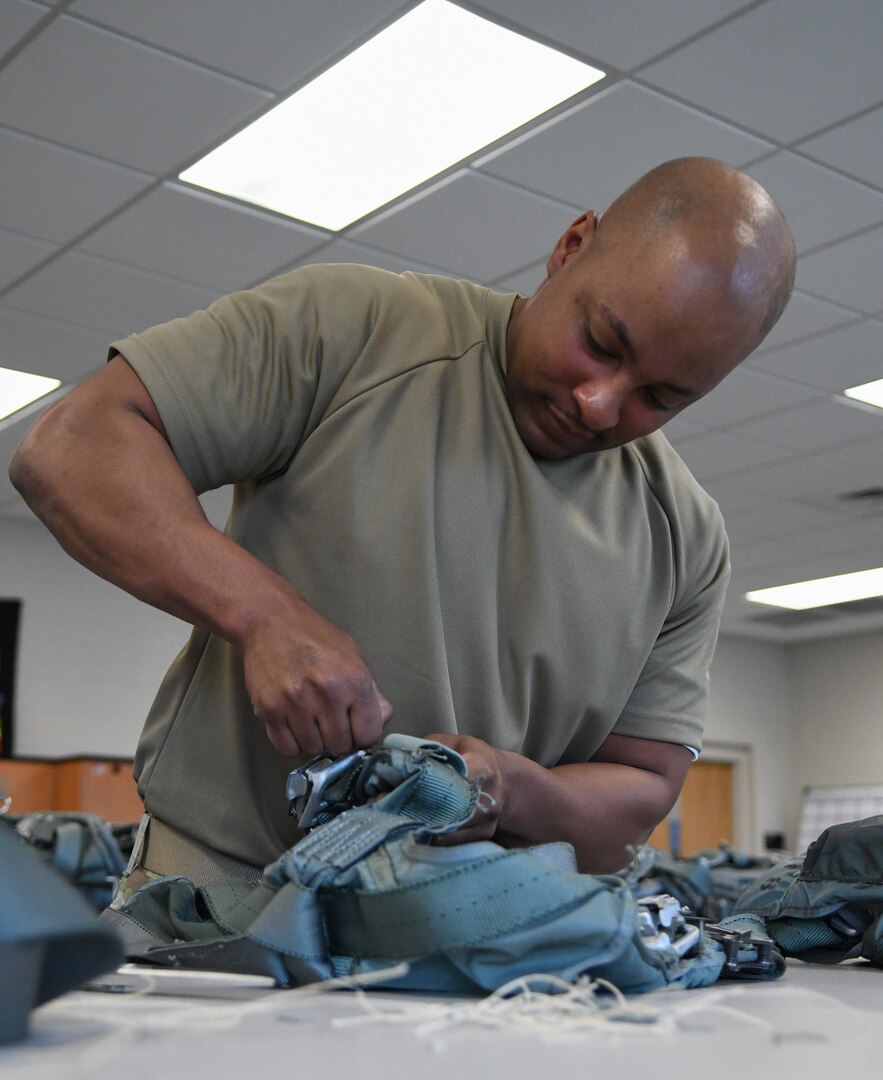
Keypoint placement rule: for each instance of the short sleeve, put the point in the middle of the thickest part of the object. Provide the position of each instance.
(239, 385)
(670, 698)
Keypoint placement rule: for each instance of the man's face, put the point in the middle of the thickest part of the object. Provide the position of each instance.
(616, 342)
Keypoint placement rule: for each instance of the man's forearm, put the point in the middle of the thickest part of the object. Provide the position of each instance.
(603, 809)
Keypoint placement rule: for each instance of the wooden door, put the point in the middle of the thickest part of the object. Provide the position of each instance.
(705, 810)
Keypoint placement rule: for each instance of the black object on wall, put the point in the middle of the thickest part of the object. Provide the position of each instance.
(10, 611)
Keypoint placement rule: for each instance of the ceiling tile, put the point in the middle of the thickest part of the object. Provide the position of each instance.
(17, 17)
(105, 295)
(866, 455)
(680, 427)
(471, 225)
(786, 68)
(816, 426)
(745, 393)
(525, 281)
(19, 254)
(733, 499)
(819, 205)
(185, 233)
(833, 361)
(853, 535)
(779, 519)
(847, 273)
(88, 88)
(273, 43)
(803, 316)
(718, 453)
(589, 154)
(808, 478)
(853, 147)
(345, 251)
(48, 347)
(624, 35)
(55, 194)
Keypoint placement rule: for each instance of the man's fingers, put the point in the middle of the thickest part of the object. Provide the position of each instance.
(367, 715)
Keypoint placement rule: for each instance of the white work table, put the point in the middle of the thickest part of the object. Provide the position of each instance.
(814, 1022)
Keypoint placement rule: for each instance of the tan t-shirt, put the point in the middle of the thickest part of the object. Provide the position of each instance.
(537, 605)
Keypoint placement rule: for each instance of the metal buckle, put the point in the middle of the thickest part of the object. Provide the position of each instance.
(663, 926)
(746, 954)
(307, 785)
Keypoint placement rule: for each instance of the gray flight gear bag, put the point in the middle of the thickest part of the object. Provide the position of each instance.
(51, 939)
(366, 889)
(826, 905)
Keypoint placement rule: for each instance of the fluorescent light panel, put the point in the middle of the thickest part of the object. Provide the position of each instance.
(20, 388)
(822, 591)
(437, 85)
(871, 393)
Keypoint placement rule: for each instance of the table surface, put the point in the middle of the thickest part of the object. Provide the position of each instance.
(814, 1022)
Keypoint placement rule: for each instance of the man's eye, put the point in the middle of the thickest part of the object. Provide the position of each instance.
(657, 403)
(597, 348)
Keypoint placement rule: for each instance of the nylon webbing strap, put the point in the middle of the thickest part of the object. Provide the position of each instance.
(469, 903)
(337, 845)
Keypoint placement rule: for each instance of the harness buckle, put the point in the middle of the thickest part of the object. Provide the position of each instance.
(308, 785)
(662, 924)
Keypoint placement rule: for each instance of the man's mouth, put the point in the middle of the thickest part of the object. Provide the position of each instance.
(568, 427)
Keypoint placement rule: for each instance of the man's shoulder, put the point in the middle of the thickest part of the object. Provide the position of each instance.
(672, 482)
(347, 281)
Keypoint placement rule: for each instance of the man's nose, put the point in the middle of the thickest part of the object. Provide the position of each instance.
(599, 404)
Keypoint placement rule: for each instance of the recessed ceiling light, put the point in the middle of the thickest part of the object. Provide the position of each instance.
(822, 591)
(437, 85)
(20, 388)
(870, 392)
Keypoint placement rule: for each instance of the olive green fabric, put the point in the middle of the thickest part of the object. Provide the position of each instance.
(363, 417)
(826, 905)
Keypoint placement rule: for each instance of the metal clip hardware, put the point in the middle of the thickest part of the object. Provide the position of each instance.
(663, 926)
(746, 954)
(307, 786)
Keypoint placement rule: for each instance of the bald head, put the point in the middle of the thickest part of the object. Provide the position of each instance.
(731, 224)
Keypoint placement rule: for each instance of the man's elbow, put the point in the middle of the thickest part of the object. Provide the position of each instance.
(35, 463)
(23, 473)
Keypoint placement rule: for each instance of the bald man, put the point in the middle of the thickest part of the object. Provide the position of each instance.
(447, 501)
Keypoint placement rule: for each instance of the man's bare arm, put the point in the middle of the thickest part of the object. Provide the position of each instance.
(603, 807)
(97, 469)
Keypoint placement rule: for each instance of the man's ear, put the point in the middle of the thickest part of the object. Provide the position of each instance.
(579, 232)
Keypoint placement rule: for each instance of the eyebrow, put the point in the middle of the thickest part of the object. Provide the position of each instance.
(619, 328)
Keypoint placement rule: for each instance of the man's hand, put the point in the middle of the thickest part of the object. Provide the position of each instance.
(603, 807)
(309, 684)
(484, 767)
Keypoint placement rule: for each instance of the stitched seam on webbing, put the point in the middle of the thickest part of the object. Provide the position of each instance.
(844, 880)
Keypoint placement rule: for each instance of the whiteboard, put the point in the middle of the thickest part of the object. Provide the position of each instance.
(824, 806)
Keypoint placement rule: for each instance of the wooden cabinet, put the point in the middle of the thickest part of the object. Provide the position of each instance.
(86, 785)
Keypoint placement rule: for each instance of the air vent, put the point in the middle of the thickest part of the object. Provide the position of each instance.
(864, 495)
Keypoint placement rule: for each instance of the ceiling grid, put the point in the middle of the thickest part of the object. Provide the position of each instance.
(102, 104)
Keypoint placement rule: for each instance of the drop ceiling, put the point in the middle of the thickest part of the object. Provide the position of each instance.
(104, 102)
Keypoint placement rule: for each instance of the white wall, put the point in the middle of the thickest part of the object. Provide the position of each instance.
(751, 707)
(90, 657)
(837, 689)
